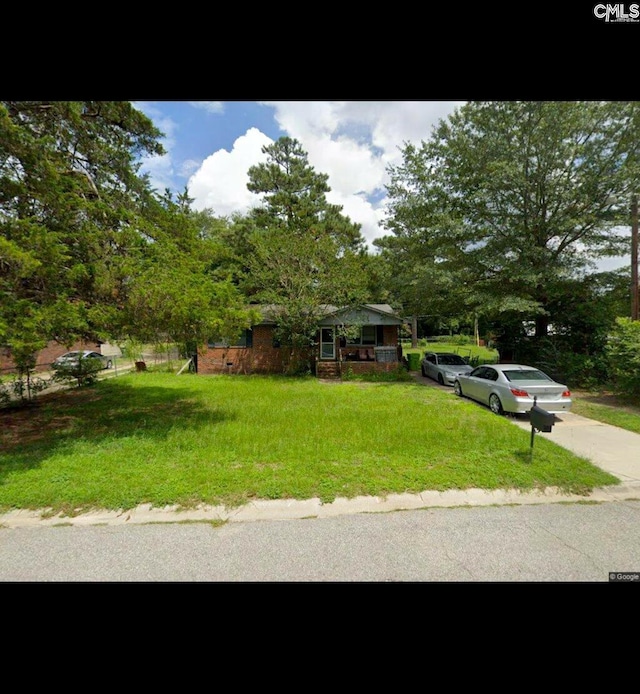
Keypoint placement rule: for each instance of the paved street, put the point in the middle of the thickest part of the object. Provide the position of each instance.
(555, 542)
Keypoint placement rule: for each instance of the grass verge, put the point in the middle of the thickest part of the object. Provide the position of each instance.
(163, 439)
(609, 408)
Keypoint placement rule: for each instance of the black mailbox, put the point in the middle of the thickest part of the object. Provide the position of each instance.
(541, 419)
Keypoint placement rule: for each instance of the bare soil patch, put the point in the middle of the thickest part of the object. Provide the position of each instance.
(30, 422)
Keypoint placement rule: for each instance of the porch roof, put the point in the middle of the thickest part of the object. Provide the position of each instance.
(377, 314)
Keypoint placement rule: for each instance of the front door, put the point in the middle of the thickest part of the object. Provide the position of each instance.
(327, 344)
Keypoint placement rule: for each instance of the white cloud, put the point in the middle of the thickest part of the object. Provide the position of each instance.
(353, 142)
(209, 106)
(220, 183)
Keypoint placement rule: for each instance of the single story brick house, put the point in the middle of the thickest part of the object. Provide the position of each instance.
(372, 344)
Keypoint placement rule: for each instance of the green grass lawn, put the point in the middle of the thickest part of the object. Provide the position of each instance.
(473, 352)
(163, 439)
(619, 411)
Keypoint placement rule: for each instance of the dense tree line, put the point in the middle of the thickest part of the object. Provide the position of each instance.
(87, 248)
(503, 212)
(494, 223)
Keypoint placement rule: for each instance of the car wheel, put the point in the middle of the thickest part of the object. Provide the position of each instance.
(424, 373)
(495, 404)
(440, 379)
(457, 389)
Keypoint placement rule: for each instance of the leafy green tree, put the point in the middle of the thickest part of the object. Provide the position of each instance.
(70, 205)
(173, 291)
(427, 290)
(574, 350)
(378, 275)
(87, 248)
(304, 253)
(515, 198)
(229, 241)
(623, 350)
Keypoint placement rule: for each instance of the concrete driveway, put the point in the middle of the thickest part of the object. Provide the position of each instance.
(611, 448)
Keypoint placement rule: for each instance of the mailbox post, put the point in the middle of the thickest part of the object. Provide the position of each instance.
(541, 421)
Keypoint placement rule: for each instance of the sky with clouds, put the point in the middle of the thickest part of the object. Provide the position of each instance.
(212, 144)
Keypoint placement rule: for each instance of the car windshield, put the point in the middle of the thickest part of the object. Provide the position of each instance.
(526, 375)
(451, 360)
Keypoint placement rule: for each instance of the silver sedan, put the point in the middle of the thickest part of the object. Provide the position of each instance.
(71, 360)
(512, 388)
(443, 367)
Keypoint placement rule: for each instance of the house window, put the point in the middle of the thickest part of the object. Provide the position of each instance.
(368, 335)
(245, 340)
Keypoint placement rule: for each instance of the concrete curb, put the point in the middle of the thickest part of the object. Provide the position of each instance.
(291, 509)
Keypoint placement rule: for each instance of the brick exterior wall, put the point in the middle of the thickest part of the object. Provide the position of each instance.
(263, 357)
(45, 356)
(334, 369)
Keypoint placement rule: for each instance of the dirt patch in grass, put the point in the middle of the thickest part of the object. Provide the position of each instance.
(25, 430)
(29, 423)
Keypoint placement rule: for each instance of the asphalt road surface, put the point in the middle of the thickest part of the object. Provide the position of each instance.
(557, 542)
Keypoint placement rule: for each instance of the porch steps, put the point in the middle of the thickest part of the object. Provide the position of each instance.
(327, 369)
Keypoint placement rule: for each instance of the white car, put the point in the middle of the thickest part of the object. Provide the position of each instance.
(512, 388)
(443, 367)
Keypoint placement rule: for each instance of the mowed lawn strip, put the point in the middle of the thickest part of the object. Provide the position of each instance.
(619, 411)
(164, 439)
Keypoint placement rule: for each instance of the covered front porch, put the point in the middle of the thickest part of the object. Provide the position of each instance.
(360, 340)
